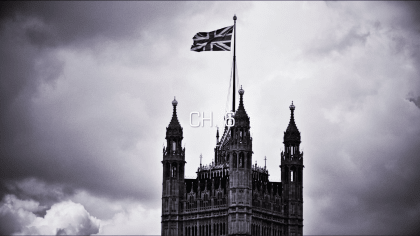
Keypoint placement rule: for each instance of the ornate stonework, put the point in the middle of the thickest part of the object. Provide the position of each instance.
(231, 196)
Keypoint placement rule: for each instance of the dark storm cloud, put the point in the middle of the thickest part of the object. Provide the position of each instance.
(44, 146)
(78, 95)
(379, 196)
(368, 177)
(416, 101)
(62, 23)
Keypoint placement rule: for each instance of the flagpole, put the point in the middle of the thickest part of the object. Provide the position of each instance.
(234, 61)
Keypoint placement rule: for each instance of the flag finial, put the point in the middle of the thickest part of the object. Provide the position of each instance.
(234, 17)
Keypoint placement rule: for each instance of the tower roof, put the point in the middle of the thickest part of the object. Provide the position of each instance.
(292, 132)
(174, 124)
(241, 117)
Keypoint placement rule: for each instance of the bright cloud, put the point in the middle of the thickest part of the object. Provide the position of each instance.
(63, 218)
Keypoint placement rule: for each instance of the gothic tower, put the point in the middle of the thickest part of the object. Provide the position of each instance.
(173, 177)
(240, 174)
(291, 178)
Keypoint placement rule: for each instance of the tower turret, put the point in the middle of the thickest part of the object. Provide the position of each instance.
(292, 176)
(173, 176)
(240, 179)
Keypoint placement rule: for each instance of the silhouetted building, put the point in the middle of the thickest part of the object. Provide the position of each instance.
(231, 196)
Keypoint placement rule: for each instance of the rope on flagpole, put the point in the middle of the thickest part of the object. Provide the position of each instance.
(228, 94)
(237, 75)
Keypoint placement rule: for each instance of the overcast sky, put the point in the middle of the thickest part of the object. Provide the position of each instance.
(86, 91)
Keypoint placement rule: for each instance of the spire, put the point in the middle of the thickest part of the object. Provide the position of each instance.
(292, 133)
(241, 117)
(217, 135)
(174, 124)
(265, 162)
(201, 157)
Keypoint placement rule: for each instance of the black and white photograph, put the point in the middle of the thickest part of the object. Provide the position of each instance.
(208, 118)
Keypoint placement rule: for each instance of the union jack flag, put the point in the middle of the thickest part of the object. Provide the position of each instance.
(218, 40)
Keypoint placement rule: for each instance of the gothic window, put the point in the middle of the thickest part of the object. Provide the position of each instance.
(173, 171)
(234, 161)
(174, 146)
(241, 160)
(291, 176)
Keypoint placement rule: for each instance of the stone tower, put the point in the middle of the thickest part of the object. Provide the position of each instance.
(230, 196)
(173, 177)
(291, 178)
(240, 173)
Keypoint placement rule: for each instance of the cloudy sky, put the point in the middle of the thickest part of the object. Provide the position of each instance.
(86, 91)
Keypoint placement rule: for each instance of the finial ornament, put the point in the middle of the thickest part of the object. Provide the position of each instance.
(201, 157)
(265, 162)
(241, 91)
(292, 107)
(234, 17)
(174, 102)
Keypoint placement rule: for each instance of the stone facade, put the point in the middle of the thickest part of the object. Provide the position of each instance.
(231, 196)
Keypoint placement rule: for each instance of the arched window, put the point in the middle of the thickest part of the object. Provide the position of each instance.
(234, 161)
(174, 146)
(293, 174)
(173, 171)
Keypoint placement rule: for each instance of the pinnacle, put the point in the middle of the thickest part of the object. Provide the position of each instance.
(241, 113)
(174, 124)
(292, 132)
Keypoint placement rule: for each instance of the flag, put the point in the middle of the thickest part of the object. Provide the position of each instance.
(218, 40)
